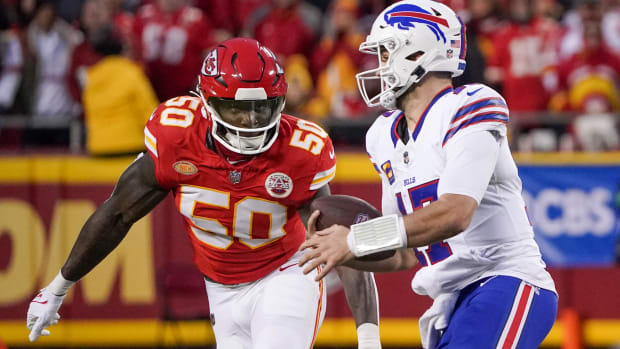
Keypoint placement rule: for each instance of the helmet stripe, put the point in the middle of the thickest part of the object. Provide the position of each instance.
(430, 18)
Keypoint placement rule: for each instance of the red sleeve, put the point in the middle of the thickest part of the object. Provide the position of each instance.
(165, 138)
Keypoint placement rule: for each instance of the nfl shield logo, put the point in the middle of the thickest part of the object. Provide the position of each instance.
(234, 177)
(361, 217)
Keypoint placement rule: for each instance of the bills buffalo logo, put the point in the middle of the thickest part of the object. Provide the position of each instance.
(406, 16)
(185, 168)
(279, 185)
(361, 217)
(209, 66)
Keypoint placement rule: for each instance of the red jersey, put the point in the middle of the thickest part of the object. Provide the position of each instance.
(299, 36)
(172, 46)
(241, 219)
(523, 52)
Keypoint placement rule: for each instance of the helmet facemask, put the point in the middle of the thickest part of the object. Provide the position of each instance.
(245, 126)
(394, 79)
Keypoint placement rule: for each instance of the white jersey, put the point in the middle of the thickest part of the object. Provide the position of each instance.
(500, 239)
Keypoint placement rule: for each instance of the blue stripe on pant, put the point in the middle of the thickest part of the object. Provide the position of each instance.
(483, 312)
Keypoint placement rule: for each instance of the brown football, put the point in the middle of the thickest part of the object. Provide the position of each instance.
(346, 210)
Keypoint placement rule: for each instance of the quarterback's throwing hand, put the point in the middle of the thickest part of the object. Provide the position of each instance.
(42, 313)
(327, 247)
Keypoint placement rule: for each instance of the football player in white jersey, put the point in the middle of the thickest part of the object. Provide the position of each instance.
(451, 192)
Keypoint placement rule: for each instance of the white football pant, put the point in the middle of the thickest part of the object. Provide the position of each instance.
(283, 310)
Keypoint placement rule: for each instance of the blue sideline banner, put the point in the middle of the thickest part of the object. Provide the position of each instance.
(573, 209)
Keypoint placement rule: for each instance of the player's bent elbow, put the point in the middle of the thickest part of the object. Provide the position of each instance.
(461, 210)
(462, 223)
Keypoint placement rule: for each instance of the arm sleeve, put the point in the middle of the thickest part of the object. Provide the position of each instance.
(470, 163)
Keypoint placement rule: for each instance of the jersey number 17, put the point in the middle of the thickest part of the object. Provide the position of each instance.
(421, 196)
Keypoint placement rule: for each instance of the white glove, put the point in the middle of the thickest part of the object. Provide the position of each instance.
(368, 336)
(42, 313)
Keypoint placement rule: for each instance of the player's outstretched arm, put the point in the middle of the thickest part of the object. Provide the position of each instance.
(361, 293)
(136, 193)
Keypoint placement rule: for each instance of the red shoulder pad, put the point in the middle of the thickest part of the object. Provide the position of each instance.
(309, 143)
(170, 131)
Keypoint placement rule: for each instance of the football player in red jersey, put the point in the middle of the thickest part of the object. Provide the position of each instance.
(171, 38)
(243, 176)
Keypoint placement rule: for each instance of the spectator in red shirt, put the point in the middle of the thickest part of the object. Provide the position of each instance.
(589, 84)
(171, 40)
(522, 51)
(337, 59)
(484, 22)
(286, 26)
(123, 24)
(228, 16)
(94, 19)
(588, 80)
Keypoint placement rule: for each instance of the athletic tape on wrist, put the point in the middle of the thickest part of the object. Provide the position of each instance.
(60, 286)
(376, 235)
(368, 335)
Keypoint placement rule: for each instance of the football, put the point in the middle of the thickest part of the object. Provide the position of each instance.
(346, 210)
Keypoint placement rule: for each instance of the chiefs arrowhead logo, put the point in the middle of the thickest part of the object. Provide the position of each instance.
(209, 66)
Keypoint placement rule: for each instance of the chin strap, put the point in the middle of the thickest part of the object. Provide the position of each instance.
(228, 154)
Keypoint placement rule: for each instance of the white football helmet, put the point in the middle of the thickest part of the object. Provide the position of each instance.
(420, 36)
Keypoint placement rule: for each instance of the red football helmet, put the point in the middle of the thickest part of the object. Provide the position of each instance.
(242, 86)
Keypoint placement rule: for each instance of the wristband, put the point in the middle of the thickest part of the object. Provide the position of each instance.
(377, 235)
(59, 286)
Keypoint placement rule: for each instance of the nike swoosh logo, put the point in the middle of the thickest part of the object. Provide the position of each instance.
(44, 302)
(331, 154)
(288, 266)
(473, 92)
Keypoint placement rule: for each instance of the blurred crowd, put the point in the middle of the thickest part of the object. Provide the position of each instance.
(110, 62)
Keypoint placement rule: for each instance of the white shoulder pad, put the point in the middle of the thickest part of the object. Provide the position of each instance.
(480, 108)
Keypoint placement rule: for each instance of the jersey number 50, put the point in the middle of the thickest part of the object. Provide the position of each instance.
(245, 218)
(421, 196)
